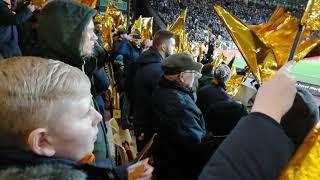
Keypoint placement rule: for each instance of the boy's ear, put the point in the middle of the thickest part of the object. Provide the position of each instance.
(39, 144)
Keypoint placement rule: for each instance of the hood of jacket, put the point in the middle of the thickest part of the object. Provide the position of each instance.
(61, 27)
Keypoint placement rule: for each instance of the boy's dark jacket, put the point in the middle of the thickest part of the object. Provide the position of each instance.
(16, 165)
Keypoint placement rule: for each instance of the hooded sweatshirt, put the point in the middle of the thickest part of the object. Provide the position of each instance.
(61, 27)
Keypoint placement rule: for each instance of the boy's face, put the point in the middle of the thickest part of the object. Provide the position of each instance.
(75, 133)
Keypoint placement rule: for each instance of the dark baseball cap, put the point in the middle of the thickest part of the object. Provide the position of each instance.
(180, 62)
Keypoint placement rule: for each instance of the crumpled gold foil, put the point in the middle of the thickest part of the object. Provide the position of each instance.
(106, 35)
(178, 28)
(117, 19)
(39, 3)
(304, 165)
(279, 34)
(136, 27)
(235, 83)
(306, 47)
(146, 28)
(252, 49)
(143, 26)
(266, 47)
(220, 59)
(114, 20)
(311, 16)
(236, 80)
(99, 18)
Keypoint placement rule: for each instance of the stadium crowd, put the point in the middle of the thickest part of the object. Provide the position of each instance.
(201, 17)
(55, 86)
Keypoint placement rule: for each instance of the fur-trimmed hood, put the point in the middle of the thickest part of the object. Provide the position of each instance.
(43, 172)
(20, 165)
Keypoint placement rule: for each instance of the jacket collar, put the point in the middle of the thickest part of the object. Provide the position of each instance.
(145, 58)
(19, 158)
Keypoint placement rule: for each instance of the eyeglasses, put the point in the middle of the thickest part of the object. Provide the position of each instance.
(196, 73)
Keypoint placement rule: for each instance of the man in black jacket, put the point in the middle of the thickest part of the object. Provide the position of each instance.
(182, 147)
(142, 79)
(221, 112)
(8, 31)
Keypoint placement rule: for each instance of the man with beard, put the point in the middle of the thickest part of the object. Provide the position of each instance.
(71, 39)
(142, 80)
(182, 146)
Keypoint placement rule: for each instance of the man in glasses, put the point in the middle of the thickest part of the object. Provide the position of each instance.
(182, 136)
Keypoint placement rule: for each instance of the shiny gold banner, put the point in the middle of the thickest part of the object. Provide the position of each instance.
(236, 80)
(146, 28)
(279, 34)
(252, 49)
(311, 16)
(178, 28)
(305, 163)
(266, 47)
(39, 3)
(106, 36)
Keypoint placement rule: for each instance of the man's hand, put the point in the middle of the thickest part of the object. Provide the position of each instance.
(275, 97)
(141, 170)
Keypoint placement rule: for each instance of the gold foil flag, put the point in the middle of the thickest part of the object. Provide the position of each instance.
(266, 47)
(146, 28)
(136, 27)
(178, 28)
(143, 26)
(304, 165)
(252, 49)
(236, 80)
(220, 59)
(311, 16)
(279, 34)
(39, 3)
(117, 19)
(99, 18)
(106, 36)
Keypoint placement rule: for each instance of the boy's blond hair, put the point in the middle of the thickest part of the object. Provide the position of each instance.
(32, 91)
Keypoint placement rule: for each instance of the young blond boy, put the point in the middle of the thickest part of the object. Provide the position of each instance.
(48, 124)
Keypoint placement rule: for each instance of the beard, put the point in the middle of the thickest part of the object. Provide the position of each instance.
(87, 49)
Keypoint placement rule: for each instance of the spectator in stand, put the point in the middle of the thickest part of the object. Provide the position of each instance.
(201, 17)
(143, 79)
(221, 112)
(49, 124)
(72, 40)
(182, 146)
(9, 46)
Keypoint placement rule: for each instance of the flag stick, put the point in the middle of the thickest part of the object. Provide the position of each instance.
(296, 42)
